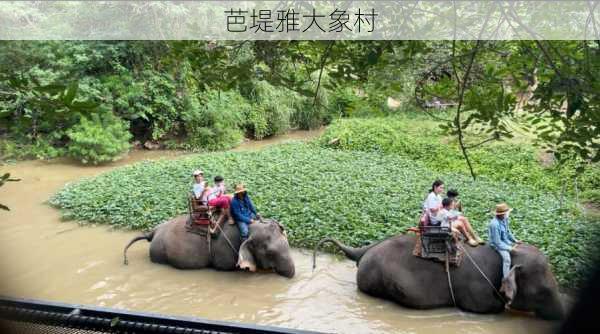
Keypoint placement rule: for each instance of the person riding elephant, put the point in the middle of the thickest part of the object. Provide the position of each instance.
(217, 198)
(453, 195)
(447, 216)
(433, 205)
(388, 269)
(463, 224)
(433, 202)
(199, 186)
(501, 238)
(267, 248)
(243, 210)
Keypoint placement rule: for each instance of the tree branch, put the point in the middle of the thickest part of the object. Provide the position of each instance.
(323, 61)
(462, 85)
(482, 142)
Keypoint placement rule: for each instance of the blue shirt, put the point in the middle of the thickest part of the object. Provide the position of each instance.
(242, 210)
(500, 236)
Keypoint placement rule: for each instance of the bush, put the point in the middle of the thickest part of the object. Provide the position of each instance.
(214, 121)
(357, 197)
(271, 110)
(100, 138)
(150, 98)
(344, 101)
(41, 148)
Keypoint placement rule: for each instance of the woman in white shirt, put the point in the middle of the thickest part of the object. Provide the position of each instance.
(433, 202)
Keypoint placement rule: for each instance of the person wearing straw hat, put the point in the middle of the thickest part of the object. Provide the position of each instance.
(242, 210)
(501, 238)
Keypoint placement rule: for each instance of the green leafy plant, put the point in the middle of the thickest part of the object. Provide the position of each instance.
(99, 138)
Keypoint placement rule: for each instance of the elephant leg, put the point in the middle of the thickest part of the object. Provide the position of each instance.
(158, 251)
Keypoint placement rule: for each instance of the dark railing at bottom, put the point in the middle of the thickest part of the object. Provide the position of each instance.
(26, 316)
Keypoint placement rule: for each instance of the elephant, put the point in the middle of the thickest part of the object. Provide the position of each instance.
(266, 248)
(389, 270)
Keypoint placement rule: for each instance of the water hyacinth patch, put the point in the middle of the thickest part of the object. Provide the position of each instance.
(357, 197)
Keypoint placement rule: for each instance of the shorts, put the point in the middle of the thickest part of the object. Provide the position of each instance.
(221, 202)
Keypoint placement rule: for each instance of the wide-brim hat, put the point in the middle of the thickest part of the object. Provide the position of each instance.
(502, 208)
(239, 188)
(197, 172)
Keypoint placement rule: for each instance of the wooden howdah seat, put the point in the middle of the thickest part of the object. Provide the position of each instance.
(436, 243)
(201, 216)
(199, 212)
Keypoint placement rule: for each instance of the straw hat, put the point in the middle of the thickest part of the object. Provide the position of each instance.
(197, 172)
(502, 208)
(239, 188)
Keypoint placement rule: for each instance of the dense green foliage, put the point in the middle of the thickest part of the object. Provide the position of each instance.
(192, 95)
(99, 138)
(358, 197)
(272, 109)
(420, 139)
(159, 86)
(213, 122)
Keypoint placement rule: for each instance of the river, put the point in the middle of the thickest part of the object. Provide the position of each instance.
(45, 258)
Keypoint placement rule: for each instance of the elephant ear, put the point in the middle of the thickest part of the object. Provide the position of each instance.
(281, 227)
(246, 259)
(509, 284)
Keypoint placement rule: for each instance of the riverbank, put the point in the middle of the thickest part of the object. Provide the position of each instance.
(139, 153)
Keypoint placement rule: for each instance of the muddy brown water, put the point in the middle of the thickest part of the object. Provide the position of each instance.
(44, 258)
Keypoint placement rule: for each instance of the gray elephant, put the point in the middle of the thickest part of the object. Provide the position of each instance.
(267, 248)
(389, 270)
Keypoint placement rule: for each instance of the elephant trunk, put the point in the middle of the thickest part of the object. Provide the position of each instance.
(553, 309)
(145, 236)
(352, 253)
(285, 267)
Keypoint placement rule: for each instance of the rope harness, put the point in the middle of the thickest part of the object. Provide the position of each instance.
(227, 239)
(448, 273)
(483, 274)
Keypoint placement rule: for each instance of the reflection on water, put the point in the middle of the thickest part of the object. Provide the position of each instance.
(47, 259)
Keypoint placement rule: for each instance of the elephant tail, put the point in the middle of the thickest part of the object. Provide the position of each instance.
(352, 253)
(146, 236)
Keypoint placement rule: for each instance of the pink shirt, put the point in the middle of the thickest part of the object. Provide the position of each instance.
(216, 191)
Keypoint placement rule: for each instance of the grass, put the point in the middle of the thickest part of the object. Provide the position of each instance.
(357, 197)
